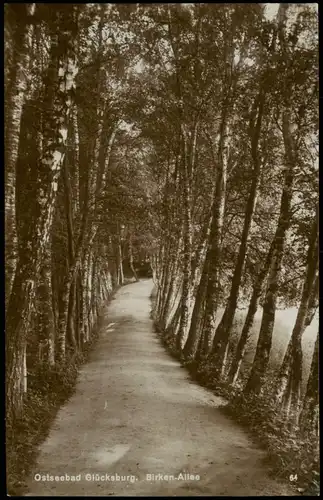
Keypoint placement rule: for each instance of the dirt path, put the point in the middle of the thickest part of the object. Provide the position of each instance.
(135, 412)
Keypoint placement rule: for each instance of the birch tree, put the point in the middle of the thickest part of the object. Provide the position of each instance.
(20, 17)
(61, 74)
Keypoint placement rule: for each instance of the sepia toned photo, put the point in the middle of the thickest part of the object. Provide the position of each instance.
(161, 249)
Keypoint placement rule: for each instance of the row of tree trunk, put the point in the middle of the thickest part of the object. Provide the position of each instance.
(189, 267)
(62, 262)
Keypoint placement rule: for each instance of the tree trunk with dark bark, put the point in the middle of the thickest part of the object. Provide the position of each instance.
(223, 331)
(288, 383)
(252, 309)
(261, 360)
(14, 101)
(309, 418)
(214, 250)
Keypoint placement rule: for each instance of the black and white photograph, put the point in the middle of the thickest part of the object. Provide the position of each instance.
(161, 249)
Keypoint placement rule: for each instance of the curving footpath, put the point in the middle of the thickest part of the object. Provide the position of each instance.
(136, 418)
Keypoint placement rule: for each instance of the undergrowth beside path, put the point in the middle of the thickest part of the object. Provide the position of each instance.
(48, 391)
(291, 456)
